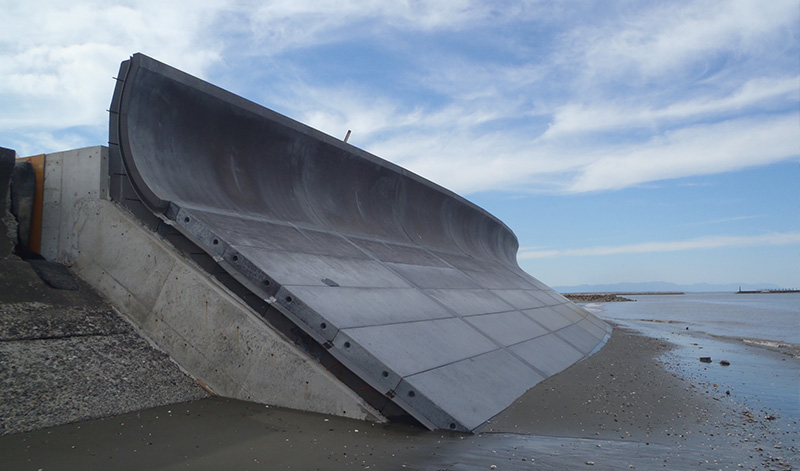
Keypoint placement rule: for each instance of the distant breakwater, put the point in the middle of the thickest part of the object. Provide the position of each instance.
(595, 297)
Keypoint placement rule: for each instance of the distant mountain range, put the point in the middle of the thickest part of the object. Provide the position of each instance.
(662, 286)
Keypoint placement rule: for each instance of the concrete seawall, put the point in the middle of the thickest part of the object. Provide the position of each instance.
(411, 287)
(204, 327)
(65, 353)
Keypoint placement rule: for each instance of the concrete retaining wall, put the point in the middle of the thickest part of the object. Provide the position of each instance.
(197, 321)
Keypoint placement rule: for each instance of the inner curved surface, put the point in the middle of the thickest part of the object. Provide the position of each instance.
(410, 286)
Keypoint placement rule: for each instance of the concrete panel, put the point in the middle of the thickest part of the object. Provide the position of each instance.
(293, 268)
(381, 267)
(402, 254)
(84, 175)
(500, 279)
(449, 383)
(520, 299)
(413, 347)
(547, 317)
(425, 276)
(467, 302)
(359, 307)
(202, 326)
(578, 336)
(507, 328)
(547, 353)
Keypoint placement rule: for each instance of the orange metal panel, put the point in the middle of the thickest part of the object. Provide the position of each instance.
(35, 238)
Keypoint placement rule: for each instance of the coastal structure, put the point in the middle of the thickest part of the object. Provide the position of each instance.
(280, 265)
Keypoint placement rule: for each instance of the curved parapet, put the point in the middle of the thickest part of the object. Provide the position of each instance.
(413, 288)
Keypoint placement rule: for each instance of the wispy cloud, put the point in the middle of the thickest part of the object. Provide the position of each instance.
(695, 150)
(676, 39)
(700, 243)
(58, 59)
(279, 26)
(552, 101)
(759, 93)
(727, 220)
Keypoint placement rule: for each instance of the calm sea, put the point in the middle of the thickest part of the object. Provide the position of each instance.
(773, 317)
(731, 327)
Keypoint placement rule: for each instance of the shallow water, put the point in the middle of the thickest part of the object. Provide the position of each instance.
(217, 433)
(758, 334)
(773, 317)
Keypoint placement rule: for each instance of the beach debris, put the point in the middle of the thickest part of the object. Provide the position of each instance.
(725, 363)
(590, 463)
(705, 359)
(494, 466)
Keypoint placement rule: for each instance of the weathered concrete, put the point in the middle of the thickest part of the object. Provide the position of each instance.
(8, 225)
(70, 178)
(397, 278)
(23, 192)
(203, 327)
(68, 356)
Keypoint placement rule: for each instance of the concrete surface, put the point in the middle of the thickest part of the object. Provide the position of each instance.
(633, 406)
(208, 331)
(67, 356)
(8, 225)
(401, 280)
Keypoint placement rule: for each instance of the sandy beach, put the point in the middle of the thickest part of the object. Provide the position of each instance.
(623, 408)
(641, 402)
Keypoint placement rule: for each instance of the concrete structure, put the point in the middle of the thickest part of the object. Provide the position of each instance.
(410, 287)
(8, 225)
(204, 327)
(66, 356)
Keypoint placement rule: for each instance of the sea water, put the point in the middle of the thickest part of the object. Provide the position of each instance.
(767, 317)
(757, 334)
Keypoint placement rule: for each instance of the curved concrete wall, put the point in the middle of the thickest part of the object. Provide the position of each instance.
(410, 286)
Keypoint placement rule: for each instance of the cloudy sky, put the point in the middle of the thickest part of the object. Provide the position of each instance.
(620, 140)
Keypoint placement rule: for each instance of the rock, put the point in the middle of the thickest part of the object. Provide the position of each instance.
(725, 363)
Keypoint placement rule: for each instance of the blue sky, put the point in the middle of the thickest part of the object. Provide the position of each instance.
(620, 140)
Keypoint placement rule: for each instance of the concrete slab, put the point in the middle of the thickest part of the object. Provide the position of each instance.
(68, 356)
(83, 377)
(204, 327)
(381, 268)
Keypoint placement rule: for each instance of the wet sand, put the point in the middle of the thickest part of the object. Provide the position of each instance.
(622, 393)
(623, 408)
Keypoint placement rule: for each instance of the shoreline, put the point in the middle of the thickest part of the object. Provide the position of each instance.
(628, 405)
(623, 392)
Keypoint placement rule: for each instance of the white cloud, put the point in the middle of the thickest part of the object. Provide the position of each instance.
(700, 243)
(58, 58)
(667, 38)
(755, 93)
(488, 129)
(282, 25)
(696, 150)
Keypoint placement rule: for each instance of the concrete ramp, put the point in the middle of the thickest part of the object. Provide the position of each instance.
(410, 287)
